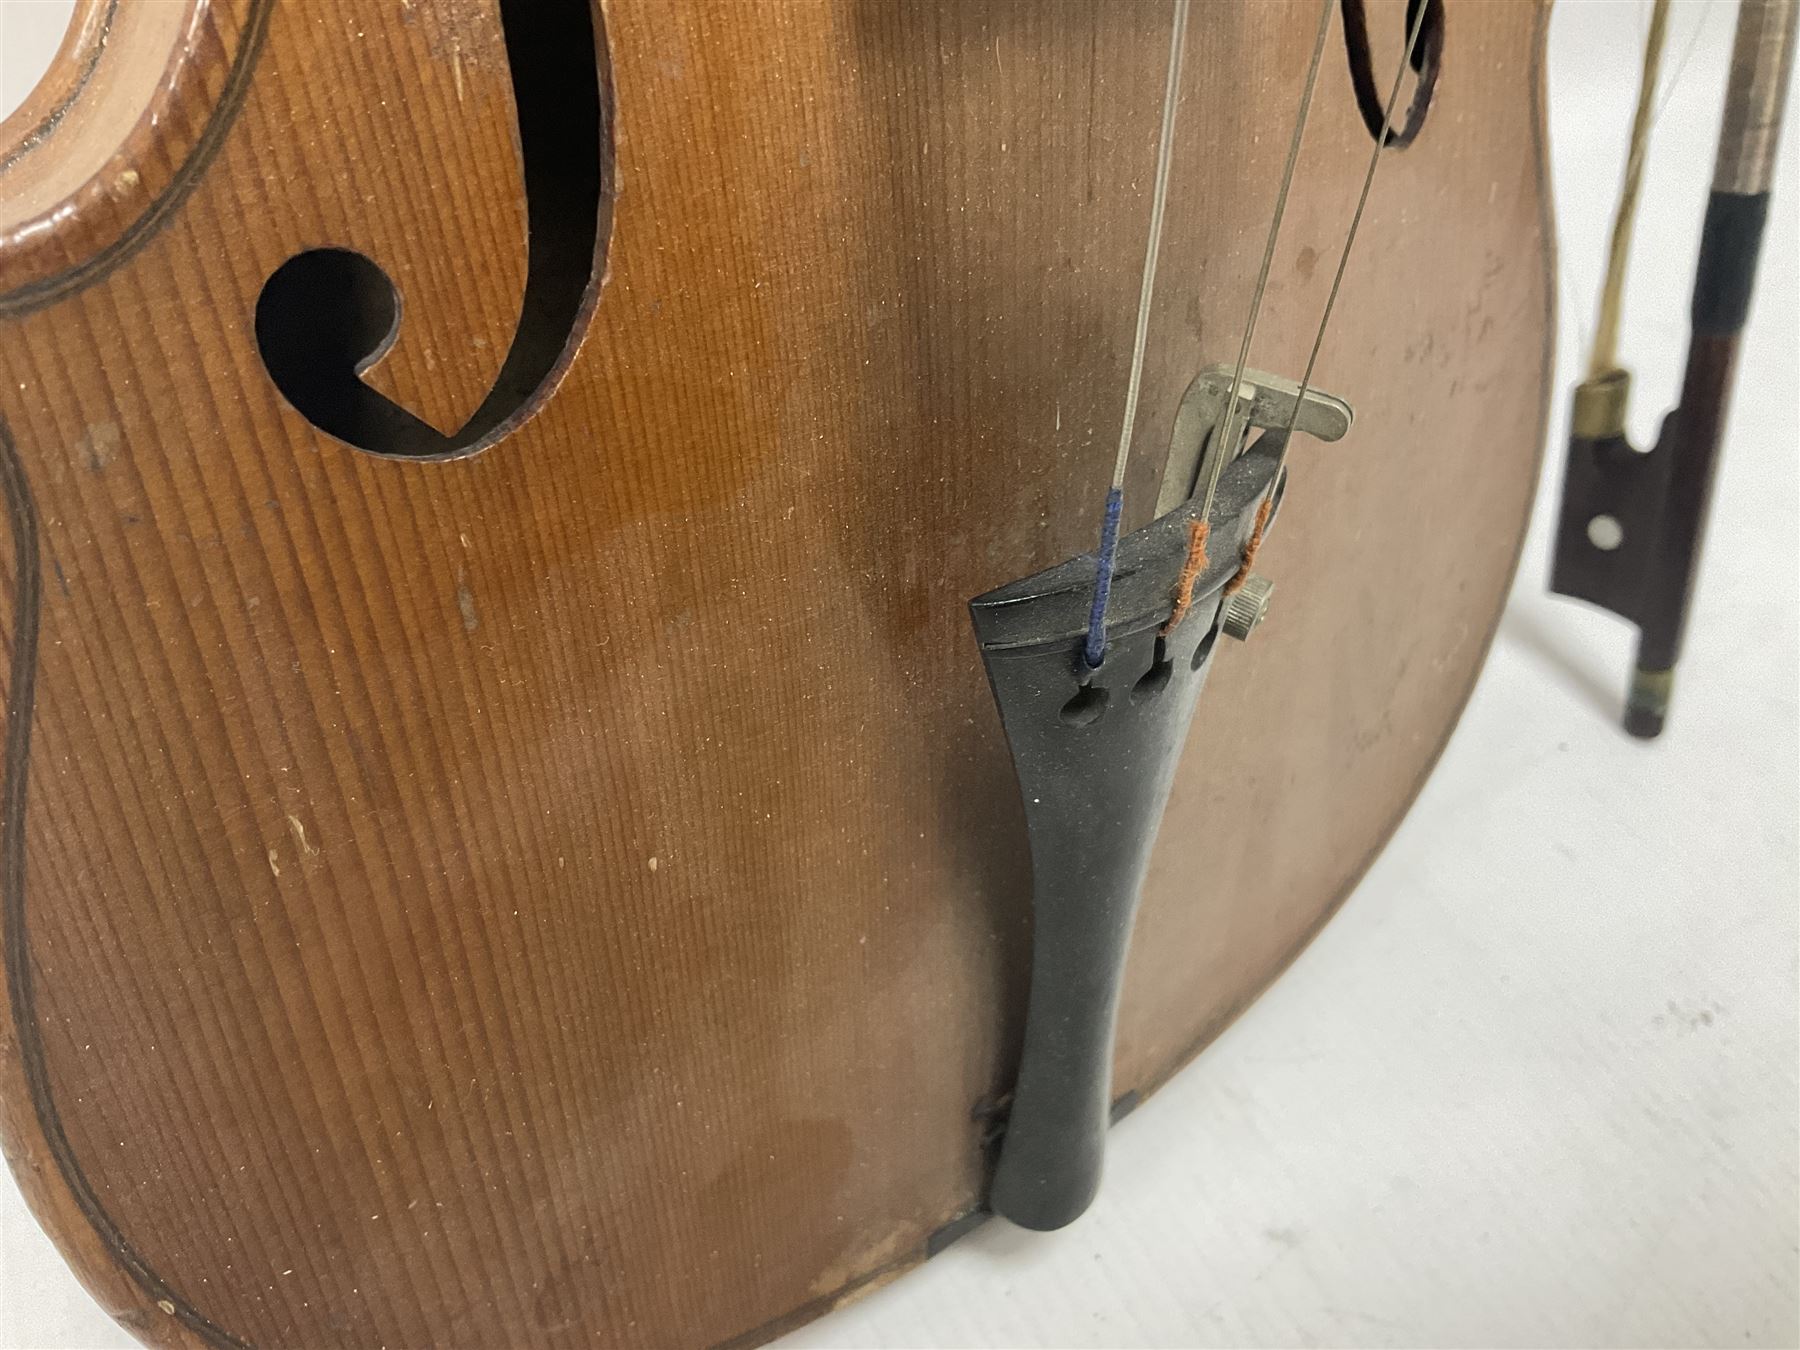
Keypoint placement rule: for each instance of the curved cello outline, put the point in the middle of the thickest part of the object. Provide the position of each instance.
(53, 117)
(328, 314)
(34, 295)
(15, 765)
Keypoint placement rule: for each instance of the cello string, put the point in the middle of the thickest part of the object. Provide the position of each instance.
(1337, 280)
(1094, 648)
(1228, 428)
(1159, 199)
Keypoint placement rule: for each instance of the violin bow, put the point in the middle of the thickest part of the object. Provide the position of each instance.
(1632, 523)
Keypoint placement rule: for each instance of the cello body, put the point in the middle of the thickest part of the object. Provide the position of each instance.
(565, 884)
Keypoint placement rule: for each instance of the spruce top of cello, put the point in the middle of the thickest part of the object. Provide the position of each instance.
(444, 899)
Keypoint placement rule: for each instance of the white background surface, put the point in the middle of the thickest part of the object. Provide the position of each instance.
(1536, 1084)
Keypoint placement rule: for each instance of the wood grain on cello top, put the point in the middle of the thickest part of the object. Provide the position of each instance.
(576, 894)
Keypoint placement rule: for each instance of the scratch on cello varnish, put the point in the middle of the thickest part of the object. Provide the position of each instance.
(99, 446)
(465, 604)
(463, 36)
(298, 830)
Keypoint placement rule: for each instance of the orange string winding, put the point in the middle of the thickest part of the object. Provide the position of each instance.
(1190, 573)
(1256, 537)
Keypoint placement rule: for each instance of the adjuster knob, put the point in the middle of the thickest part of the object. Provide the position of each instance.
(1247, 606)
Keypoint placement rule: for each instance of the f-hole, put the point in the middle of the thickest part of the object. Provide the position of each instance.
(328, 314)
(1372, 90)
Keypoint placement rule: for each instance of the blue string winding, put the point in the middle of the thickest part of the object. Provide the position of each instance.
(1094, 649)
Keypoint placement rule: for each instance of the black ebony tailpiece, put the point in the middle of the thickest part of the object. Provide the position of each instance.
(1095, 752)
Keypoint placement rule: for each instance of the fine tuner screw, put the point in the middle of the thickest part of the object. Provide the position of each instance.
(1247, 606)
